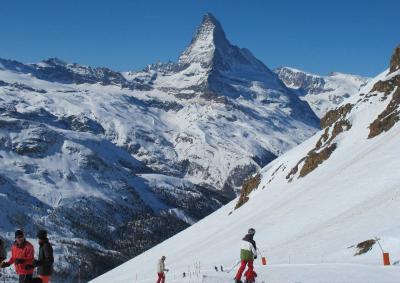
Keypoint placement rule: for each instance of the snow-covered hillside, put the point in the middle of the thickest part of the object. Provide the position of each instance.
(106, 161)
(323, 93)
(313, 208)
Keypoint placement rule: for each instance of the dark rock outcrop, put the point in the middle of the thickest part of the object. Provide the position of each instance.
(388, 118)
(247, 188)
(364, 247)
(334, 115)
(316, 158)
(335, 123)
(395, 61)
(391, 115)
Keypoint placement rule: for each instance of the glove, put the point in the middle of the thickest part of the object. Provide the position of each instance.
(29, 267)
(255, 256)
(4, 264)
(19, 260)
(166, 270)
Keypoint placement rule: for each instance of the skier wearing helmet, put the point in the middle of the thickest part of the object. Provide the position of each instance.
(248, 253)
(161, 270)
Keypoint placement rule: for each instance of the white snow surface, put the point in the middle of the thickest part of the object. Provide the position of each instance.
(308, 228)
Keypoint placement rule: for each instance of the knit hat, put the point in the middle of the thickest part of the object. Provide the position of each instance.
(41, 234)
(19, 233)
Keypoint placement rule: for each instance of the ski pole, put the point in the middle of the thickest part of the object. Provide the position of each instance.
(236, 264)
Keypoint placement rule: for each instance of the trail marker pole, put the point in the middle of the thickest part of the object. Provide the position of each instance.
(377, 239)
(386, 257)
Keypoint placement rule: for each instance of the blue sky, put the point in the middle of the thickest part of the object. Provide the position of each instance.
(316, 36)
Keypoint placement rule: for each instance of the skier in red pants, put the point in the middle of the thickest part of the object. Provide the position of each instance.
(161, 269)
(248, 253)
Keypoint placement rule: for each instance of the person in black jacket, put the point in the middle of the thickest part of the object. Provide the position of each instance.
(3, 254)
(45, 261)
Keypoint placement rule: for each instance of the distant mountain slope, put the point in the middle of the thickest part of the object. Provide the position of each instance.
(316, 209)
(323, 93)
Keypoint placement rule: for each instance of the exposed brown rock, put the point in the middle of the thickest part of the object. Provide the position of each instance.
(395, 61)
(322, 139)
(386, 86)
(391, 115)
(364, 247)
(388, 118)
(314, 159)
(247, 188)
(334, 115)
(334, 123)
(294, 170)
(339, 127)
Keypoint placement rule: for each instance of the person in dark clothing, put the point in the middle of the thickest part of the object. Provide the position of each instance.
(22, 253)
(3, 254)
(45, 261)
(248, 253)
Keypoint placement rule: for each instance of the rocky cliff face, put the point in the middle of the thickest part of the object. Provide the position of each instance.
(390, 86)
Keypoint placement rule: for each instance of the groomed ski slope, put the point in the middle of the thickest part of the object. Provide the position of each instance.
(293, 273)
(307, 228)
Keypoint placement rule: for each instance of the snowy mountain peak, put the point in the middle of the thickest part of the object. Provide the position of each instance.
(210, 21)
(212, 51)
(209, 37)
(395, 61)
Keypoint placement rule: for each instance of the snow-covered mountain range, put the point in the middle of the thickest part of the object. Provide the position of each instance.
(323, 93)
(112, 163)
(316, 209)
